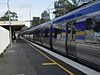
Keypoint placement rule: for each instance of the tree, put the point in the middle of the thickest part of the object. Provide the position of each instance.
(13, 16)
(36, 21)
(64, 6)
(45, 16)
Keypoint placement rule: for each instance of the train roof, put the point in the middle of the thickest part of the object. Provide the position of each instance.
(46, 24)
(80, 11)
(39, 26)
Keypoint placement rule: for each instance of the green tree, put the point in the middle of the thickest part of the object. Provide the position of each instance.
(64, 6)
(13, 16)
(36, 21)
(45, 16)
(44, 20)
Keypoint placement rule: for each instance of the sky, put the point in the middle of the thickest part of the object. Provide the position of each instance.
(26, 8)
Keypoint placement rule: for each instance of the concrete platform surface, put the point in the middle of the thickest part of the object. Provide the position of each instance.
(22, 59)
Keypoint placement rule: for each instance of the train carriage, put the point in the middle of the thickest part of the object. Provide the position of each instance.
(75, 35)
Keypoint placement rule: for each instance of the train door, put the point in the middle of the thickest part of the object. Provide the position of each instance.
(71, 44)
(41, 35)
(59, 38)
(46, 36)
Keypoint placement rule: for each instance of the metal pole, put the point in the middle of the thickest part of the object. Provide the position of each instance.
(30, 14)
(10, 30)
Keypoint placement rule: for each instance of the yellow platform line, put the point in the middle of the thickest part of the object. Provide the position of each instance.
(49, 64)
(53, 61)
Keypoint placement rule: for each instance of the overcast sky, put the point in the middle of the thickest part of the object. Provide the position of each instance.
(23, 7)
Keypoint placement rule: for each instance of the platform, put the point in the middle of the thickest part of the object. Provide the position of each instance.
(25, 59)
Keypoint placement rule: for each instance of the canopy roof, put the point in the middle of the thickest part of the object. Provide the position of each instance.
(16, 25)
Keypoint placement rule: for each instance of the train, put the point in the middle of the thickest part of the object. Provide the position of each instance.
(75, 35)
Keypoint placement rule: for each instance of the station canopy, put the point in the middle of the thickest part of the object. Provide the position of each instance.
(15, 25)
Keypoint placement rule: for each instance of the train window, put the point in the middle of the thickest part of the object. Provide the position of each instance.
(88, 23)
(93, 29)
(34, 33)
(43, 32)
(57, 32)
(97, 24)
(74, 31)
(69, 31)
(46, 32)
(39, 33)
(63, 38)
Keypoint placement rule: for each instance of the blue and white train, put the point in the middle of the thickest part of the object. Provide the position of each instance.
(75, 35)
